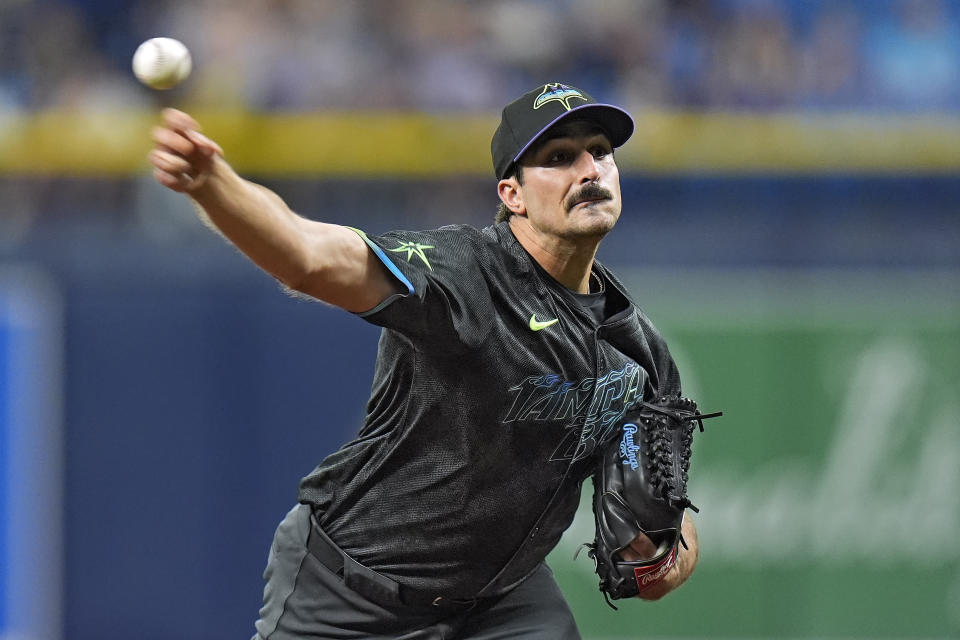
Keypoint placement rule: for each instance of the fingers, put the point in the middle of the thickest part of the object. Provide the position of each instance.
(182, 156)
(178, 182)
(172, 170)
(183, 124)
(641, 548)
(173, 158)
(173, 142)
(178, 120)
(204, 144)
(169, 162)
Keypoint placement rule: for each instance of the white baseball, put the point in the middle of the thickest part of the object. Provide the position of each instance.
(161, 63)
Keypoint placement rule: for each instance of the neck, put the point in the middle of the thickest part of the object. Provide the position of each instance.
(569, 262)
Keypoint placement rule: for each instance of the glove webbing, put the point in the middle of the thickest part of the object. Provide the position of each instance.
(670, 471)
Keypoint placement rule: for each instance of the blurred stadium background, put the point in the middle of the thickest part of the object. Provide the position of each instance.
(791, 223)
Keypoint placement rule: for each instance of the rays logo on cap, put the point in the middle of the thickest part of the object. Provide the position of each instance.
(559, 92)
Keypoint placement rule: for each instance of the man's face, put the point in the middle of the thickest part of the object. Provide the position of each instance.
(571, 184)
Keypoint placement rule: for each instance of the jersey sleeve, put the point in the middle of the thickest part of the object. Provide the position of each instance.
(447, 297)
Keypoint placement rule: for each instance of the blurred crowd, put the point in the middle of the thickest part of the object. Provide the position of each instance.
(456, 55)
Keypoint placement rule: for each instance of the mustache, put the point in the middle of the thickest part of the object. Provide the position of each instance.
(590, 191)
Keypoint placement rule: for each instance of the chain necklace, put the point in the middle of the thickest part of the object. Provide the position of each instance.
(595, 278)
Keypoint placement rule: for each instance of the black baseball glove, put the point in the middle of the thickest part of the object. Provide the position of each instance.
(640, 486)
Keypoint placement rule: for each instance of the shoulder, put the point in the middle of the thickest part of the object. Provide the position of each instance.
(460, 240)
(453, 276)
(459, 243)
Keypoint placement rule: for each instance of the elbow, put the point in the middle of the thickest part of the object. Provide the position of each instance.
(299, 281)
(294, 281)
(316, 281)
(292, 274)
(300, 270)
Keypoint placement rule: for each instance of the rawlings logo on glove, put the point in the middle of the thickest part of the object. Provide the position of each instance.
(628, 450)
(640, 487)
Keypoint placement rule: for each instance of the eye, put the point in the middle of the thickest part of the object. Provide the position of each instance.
(600, 151)
(558, 157)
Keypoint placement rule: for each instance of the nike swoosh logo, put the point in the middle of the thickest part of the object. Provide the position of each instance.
(536, 325)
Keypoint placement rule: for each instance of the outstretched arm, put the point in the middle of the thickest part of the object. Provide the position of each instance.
(329, 262)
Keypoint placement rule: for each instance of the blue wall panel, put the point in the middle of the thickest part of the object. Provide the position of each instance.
(5, 427)
(194, 412)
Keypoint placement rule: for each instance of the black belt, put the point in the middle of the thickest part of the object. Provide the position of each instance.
(371, 584)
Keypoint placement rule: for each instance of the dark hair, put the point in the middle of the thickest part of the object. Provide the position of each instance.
(503, 213)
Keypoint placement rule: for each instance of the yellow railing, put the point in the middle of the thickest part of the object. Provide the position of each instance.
(418, 145)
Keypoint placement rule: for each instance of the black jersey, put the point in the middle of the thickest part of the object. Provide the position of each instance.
(492, 387)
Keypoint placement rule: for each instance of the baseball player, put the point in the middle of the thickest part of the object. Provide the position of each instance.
(506, 356)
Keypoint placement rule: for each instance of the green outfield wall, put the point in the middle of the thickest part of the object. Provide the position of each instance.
(829, 488)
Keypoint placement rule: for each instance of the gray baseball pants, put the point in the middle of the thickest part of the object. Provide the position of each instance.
(304, 599)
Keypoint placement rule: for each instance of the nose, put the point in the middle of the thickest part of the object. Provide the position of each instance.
(588, 167)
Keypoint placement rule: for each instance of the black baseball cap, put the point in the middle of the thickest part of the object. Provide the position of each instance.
(527, 118)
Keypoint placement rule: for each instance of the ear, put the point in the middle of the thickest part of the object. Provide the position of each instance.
(511, 195)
